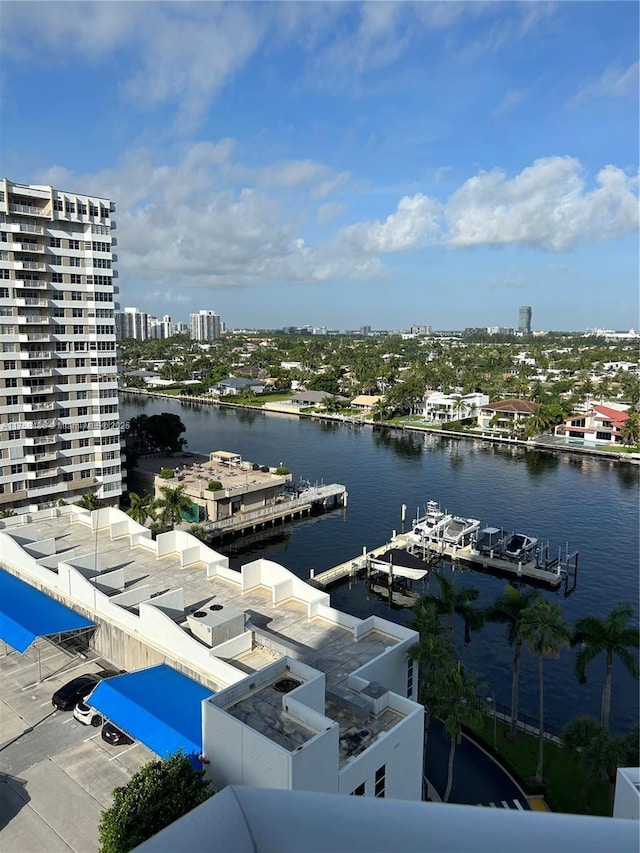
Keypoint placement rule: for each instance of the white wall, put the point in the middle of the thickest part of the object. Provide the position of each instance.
(627, 799)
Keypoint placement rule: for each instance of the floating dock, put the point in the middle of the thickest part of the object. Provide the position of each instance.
(549, 574)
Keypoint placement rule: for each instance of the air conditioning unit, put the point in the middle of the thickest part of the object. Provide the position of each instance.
(216, 624)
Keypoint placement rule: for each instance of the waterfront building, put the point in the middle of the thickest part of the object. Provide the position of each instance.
(302, 696)
(239, 486)
(524, 320)
(132, 323)
(600, 425)
(442, 408)
(205, 326)
(59, 423)
(506, 415)
(234, 385)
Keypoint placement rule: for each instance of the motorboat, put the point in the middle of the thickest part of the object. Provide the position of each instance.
(458, 530)
(430, 525)
(519, 546)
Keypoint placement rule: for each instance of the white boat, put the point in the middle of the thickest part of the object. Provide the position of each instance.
(519, 546)
(430, 525)
(458, 530)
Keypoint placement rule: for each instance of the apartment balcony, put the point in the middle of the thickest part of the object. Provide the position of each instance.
(48, 488)
(33, 338)
(31, 228)
(36, 302)
(29, 210)
(48, 406)
(37, 440)
(40, 371)
(27, 247)
(113, 225)
(45, 456)
(36, 354)
(40, 285)
(115, 274)
(34, 319)
(43, 472)
(30, 265)
(114, 241)
(114, 257)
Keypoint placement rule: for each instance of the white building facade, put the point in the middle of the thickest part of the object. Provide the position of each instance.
(132, 323)
(205, 326)
(59, 421)
(443, 408)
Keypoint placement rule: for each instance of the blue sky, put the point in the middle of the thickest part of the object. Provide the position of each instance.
(343, 164)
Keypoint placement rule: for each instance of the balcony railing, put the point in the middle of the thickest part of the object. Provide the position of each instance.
(36, 354)
(41, 371)
(33, 338)
(31, 265)
(32, 441)
(27, 247)
(31, 228)
(23, 282)
(35, 318)
(32, 300)
(40, 407)
(30, 210)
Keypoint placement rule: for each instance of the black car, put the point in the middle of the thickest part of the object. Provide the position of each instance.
(68, 696)
(114, 736)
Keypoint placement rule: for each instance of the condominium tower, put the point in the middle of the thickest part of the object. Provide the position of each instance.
(59, 423)
(205, 326)
(524, 320)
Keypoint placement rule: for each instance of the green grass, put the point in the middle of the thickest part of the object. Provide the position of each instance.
(562, 785)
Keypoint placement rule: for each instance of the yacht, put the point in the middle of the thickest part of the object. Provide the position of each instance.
(431, 524)
(458, 530)
(519, 546)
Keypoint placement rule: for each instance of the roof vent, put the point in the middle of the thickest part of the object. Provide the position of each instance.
(285, 685)
(215, 607)
(199, 614)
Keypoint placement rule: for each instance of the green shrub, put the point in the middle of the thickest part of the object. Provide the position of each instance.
(214, 485)
(167, 473)
(281, 470)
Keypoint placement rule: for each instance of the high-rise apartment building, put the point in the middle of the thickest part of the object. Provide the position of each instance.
(59, 421)
(524, 320)
(132, 323)
(205, 326)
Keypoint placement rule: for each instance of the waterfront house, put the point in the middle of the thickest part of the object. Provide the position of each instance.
(365, 402)
(442, 408)
(600, 425)
(236, 385)
(506, 415)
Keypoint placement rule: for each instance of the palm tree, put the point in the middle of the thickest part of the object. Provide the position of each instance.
(141, 507)
(459, 601)
(612, 635)
(630, 430)
(172, 504)
(580, 739)
(507, 609)
(543, 629)
(88, 501)
(456, 703)
(432, 651)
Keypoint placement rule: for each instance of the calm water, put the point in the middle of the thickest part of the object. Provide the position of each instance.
(591, 504)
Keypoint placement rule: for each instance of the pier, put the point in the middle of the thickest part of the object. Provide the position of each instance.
(314, 499)
(549, 573)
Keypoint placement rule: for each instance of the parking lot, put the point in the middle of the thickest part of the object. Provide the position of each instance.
(56, 775)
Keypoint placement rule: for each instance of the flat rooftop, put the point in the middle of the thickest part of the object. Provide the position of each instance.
(317, 642)
(228, 468)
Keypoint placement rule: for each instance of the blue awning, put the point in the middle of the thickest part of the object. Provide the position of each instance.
(26, 614)
(159, 706)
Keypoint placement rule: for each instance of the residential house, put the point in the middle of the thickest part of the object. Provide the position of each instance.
(442, 408)
(365, 402)
(600, 425)
(506, 415)
(236, 385)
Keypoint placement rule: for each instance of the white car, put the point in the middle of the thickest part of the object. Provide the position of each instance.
(87, 715)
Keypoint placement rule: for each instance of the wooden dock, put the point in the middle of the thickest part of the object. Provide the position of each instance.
(550, 576)
(313, 499)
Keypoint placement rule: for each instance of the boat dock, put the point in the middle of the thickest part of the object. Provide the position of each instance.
(549, 573)
(314, 499)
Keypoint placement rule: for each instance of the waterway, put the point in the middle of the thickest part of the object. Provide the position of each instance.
(588, 504)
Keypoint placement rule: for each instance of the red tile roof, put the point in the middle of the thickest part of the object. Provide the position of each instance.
(616, 416)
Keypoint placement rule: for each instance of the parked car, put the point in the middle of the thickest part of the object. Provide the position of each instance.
(87, 715)
(114, 736)
(68, 696)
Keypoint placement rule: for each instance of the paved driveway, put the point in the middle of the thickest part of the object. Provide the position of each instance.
(477, 779)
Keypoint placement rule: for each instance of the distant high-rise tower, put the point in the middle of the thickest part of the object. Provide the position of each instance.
(205, 326)
(524, 320)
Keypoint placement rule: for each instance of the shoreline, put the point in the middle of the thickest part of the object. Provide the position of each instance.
(526, 444)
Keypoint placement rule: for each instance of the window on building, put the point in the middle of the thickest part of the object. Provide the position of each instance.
(74, 262)
(12, 382)
(14, 434)
(17, 486)
(54, 242)
(359, 791)
(381, 773)
(84, 475)
(12, 400)
(16, 469)
(67, 477)
(4, 292)
(410, 679)
(56, 277)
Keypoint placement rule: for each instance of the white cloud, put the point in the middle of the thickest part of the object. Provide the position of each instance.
(614, 82)
(546, 206)
(510, 100)
(189, 223)
(414, 223)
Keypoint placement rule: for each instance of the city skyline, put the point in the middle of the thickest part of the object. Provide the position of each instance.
(341, 164)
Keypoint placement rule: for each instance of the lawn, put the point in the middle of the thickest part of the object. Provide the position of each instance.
(562, 774)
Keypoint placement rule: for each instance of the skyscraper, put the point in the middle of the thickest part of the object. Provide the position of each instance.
(132, 323)
(524, 320)
(59, 422)
(205, 326)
